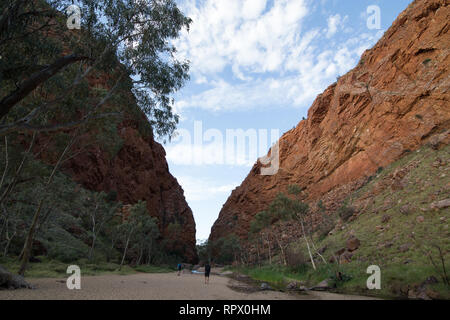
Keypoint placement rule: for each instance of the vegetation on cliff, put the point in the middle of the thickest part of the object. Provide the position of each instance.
(399, 222)
(64, 90)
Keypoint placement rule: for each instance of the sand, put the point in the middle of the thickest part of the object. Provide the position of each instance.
(166, 286)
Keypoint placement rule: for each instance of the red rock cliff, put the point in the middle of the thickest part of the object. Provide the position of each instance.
(139, 171)
(392, 102)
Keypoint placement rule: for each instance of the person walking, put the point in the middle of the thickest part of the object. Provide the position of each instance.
(207, 272)
(179, 269)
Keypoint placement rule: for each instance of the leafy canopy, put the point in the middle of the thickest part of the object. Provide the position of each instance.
(44, 66)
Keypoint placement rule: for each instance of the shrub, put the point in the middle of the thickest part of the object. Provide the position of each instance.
(338, 278)
(345, 212)
(321, 206)
(325, 226)
(296, 259)
(111, 196)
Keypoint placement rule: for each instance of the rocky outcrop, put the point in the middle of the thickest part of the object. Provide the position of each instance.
(139, 171)
(392, 102)
(12, 281)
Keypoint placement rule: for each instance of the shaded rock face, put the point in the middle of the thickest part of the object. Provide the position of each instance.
(139, 171)
(395, 100)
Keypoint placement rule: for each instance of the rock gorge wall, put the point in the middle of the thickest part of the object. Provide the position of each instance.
(139, 171)
(392, 102)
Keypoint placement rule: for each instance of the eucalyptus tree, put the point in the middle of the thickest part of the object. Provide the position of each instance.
(98, 212)
(284, 208)
(138, 228)
(261, 226)
(54, 78)
(44, 66)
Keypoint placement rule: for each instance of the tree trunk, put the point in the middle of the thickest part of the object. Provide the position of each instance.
(283, 256)
(149, 253)
(257, 253)
(26, 252)
(270, 254)
(307, 245)
(6, 163)
(17, 173)
(34, 81)
(141, 252)
(317, 251)
(125, 251)
(91, 251)
(9, 239)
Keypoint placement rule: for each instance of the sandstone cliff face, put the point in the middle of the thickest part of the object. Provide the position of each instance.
(139, 171)
(395, 100)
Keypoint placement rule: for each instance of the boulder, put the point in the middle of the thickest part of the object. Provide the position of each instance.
(346, 257)
(437, 205)
(265, 286)
(296, 286)
(12, 281)
(353, 243)
(386, 218)
(322, 286)
(405, 247)
(405, 209)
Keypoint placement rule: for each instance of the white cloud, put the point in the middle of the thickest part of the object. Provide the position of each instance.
(200, 189)
(275, 61)
(233, 147)
(333, 23)
(243, 34)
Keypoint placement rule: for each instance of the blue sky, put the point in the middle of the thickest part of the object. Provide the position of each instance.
(257, 65)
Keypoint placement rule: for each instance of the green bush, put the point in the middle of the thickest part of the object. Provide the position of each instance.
(296, 260)
(345, 212)
(325, 226)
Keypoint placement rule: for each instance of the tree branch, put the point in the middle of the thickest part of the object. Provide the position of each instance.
(34, 81)
(56, 127)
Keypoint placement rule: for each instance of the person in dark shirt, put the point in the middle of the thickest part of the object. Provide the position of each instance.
(179, 269)
(207, 272)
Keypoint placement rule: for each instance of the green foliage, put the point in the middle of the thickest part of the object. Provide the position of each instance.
(204, 252)
(72, 219)
(296, 259)
(143, 62)
(345, 212)
(321, 206)
(294, 189)
(111, 196)
(140, 229)
(326, 225)
(277, 276)
(226, 249)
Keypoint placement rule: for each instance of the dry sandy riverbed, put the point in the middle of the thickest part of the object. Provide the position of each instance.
(161, 286)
